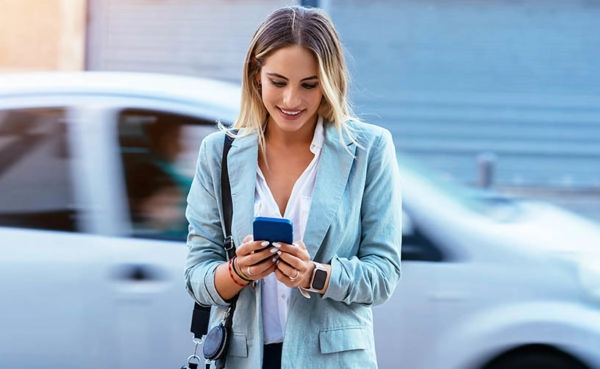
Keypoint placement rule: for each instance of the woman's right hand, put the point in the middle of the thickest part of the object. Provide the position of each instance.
(255, 259)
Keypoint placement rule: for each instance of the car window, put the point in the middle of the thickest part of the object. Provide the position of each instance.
(486, 202)
(158, 152)
(416, 246)
(35, 182)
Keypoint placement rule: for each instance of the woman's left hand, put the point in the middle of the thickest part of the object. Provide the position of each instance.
(294, 267)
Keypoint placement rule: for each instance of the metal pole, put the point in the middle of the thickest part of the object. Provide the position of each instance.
(310, 3)
(486, 163)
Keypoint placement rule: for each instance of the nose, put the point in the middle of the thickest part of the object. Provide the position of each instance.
(291, 98)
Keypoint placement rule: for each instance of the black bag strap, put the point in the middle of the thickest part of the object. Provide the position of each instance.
(201, 314)
(226, 199)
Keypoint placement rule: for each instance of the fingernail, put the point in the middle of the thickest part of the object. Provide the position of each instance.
(276, 260)
(273, 250)
(278, 252)
(277, 244)
(265, 243)
(295, 244)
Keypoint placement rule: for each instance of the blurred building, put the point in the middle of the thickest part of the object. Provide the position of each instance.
(42, 35)
(192, 37)
(502, 93)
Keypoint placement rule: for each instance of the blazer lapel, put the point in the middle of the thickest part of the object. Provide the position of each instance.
(242, 164)
(334, 169)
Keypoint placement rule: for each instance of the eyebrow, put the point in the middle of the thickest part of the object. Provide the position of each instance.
(283, 77)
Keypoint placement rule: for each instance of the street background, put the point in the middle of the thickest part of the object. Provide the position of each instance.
(501, 93)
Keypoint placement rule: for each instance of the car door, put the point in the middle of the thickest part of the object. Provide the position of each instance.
(81, 285)
(434, 293)
(50, 275)
(155, 152)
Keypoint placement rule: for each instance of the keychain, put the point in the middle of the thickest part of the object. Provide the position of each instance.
(190, 364)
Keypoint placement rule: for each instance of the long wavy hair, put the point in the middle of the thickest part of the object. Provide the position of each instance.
(312, 29)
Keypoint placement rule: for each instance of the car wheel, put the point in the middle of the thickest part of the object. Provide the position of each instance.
(545, 358)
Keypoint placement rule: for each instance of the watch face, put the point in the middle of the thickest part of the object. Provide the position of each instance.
(319, 279)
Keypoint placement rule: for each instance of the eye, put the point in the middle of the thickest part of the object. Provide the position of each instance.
(309, 86)
(277, 83)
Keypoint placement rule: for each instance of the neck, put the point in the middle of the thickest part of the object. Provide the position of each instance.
(295, 139)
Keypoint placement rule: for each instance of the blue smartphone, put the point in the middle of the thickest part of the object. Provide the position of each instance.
(273, 229)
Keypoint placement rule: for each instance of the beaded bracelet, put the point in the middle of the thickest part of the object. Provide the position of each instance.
(240, 273)
(229, 268)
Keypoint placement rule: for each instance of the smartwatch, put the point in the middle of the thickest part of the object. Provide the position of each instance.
(319, 277)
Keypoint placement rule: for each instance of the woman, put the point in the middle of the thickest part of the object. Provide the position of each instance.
(299, 154)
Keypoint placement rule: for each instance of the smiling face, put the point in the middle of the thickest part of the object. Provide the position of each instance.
(291, 90)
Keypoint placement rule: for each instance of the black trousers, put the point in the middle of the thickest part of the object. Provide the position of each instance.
(272, 356)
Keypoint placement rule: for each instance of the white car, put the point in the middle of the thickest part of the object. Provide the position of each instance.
(92, 240)
(490, 283)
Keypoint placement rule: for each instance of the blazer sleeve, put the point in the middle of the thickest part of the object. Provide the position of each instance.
(205, 235)
(371, 276)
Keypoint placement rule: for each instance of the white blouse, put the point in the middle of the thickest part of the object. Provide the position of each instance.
(275, 295)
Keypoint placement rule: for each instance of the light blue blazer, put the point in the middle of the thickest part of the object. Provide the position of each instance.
(354, 224)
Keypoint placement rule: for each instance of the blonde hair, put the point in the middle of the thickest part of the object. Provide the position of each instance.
(312, 29)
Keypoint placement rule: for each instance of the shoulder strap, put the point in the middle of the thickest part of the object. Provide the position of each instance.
(201, 314)
(226, 199)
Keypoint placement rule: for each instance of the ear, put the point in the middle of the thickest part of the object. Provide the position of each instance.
(258, 79)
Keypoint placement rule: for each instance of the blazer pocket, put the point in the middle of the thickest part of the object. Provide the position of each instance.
(343, 339)
(238, 346)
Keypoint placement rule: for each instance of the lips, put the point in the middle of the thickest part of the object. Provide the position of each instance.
(290, 113)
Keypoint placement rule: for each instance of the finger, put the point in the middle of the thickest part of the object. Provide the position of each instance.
(257, 256)
(262, 254)
(262, 269)
(245, 247)
(300, 244)
(281, 277)
(287, 275)
(296, 249)
(296, 260)
(291, 270)
(251, 247)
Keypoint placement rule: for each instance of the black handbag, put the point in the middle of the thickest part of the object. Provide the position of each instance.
(215, 343)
